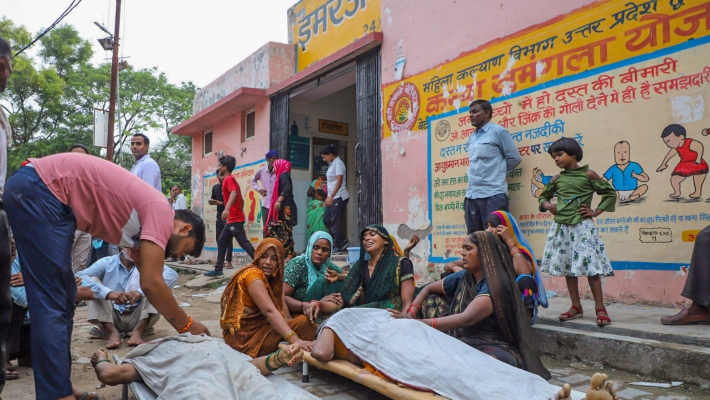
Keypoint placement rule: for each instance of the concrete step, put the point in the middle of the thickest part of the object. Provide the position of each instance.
(635, 342)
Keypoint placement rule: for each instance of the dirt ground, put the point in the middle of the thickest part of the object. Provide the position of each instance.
(205, 308)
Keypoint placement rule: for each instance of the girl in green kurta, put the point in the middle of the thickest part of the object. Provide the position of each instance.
(573, 246)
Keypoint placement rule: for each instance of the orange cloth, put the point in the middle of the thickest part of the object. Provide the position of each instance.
(244, 327)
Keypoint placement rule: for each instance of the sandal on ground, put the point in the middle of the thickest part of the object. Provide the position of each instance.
(228, 265)
(603, 320)
(10, 373)
(569, 316)
(85, 396)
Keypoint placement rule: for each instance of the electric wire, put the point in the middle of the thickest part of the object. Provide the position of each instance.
(66, 12)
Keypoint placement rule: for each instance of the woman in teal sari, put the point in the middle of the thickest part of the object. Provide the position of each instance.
(311, 278)
(316, 204)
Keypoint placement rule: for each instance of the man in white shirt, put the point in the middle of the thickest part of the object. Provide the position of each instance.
(119, 305)
(145, 167)
(177, 199)
(265, 175)
(338, 196)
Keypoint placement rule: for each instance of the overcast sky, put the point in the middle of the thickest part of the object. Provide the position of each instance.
(195, 40)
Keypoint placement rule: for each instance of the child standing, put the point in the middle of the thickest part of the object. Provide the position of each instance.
(573, 247)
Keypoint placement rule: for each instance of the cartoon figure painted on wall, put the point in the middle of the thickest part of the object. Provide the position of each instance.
(538, 182)
(625, 174)
(253, 206)
(403, 110)
(691, 160)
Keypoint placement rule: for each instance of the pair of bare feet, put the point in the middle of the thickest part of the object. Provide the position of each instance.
(114, 338)
(599, 389)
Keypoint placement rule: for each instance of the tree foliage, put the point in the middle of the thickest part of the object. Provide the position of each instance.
(51, 97)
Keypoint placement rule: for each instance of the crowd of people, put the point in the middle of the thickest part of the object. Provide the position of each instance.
(282, 304)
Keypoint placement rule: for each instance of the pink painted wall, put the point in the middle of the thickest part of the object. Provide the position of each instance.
(430, 34)
(269, 65)
(227, 136)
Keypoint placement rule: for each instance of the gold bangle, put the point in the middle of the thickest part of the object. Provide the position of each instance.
(289, 336)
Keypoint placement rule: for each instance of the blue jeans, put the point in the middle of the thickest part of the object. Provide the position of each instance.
(478, 210)
(44, 234)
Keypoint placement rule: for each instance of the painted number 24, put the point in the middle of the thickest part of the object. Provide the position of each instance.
(371, 28)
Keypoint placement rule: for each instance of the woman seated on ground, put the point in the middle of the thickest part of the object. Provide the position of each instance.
(206, 369)
(503, 225)
(254, 319)
(487, 311)
(311, 278)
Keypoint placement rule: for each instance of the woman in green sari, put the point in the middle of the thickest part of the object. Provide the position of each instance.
(316, 204)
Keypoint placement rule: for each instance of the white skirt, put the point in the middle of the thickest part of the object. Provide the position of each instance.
(575, 250)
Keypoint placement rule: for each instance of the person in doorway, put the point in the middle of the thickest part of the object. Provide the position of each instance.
(338, 196)
(697, 285)
(218, 200)
(82, 240)
(5, 257)
(265, 176)
(177, 199)
(118, 305)
(234, 215)
(492, 155)
(145, 167)
(68, 192)
(316, 204)
(283, 213)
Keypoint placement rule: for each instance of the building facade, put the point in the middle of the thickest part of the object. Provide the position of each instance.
(389, 82)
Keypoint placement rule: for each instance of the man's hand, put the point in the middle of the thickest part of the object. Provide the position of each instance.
(78, 280)
(225, 214)
(212, 202)
(197, 328)
(16, 280)
(262, 192)
(329, 201)
(118, 297)
(134, 296)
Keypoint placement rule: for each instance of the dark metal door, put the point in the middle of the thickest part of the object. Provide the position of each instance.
(279, 125)
(368, 153)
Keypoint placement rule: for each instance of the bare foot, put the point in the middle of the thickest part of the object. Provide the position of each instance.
(99, 354)
(136, 338)
(674, 195)
(114, 339)
(565, 392)
(599, 390)
(695, 195)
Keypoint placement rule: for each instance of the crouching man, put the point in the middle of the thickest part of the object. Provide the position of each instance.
(119, 306)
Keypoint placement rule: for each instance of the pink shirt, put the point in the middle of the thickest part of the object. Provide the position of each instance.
(109, 202)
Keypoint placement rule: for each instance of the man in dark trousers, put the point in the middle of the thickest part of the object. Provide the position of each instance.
(218, 200)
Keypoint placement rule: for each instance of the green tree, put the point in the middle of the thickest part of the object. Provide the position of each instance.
(51, 99)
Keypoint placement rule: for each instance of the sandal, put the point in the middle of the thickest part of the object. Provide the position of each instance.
(228, 265)
(603, 320)
(569, 316)
(85, 396)
(10, 373)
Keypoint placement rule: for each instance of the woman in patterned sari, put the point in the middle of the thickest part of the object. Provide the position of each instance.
(283, 214)
(254, 319)
(487, 311)
(381, 278)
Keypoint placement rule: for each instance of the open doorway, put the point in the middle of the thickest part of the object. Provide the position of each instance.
(320, 115)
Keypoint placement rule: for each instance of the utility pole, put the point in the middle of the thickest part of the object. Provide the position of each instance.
(114, 86)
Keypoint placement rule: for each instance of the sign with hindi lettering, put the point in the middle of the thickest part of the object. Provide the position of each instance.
(618, 78)
(338, 128)
(319, 28)
(252, 206)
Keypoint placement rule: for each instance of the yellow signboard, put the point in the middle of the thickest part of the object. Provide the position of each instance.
(252, 206)
(625, 74)
(319, 28)
(338, 128)
(592, 38)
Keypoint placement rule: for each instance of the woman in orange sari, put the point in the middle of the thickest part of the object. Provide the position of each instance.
(253, 319)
